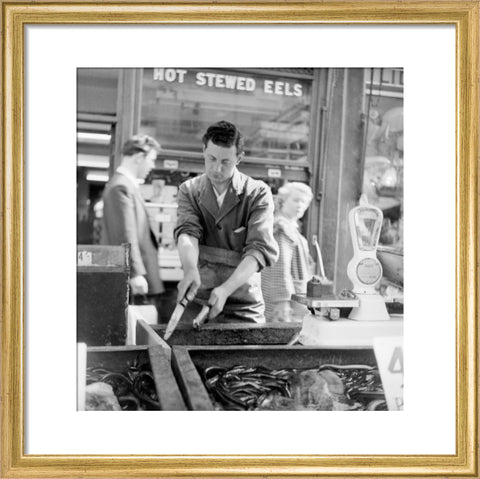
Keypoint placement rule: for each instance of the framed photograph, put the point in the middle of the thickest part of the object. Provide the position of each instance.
(424, 54)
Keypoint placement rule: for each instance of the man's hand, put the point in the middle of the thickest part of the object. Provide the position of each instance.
(219, 295)
(217, 300)
(188, 286)
(139, 285)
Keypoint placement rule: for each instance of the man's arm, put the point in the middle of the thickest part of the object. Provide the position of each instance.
(187, 233)
(248, 266)
(119, 208)
(188, 252)
(260, 242)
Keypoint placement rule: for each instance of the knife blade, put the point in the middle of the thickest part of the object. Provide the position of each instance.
(201, 317)
(175, 318)
(321, 268)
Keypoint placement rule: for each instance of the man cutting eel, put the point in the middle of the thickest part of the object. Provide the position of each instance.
(224, 233)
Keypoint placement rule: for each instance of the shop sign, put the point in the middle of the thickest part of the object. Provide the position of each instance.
(170, 164)
(84, 258)
(229, 81)
(274, 172)
(388, 76)
(389, 355)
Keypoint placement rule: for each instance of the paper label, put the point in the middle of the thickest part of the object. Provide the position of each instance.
(170, 164)
(389, 355)
(274, 172)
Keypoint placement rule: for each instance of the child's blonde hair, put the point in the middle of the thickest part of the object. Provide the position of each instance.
(288, 188)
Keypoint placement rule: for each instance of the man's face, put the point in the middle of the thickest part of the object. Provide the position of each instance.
(146, 163)
(220, 163)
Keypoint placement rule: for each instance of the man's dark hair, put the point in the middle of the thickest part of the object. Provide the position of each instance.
(140, 143)
(224, 133)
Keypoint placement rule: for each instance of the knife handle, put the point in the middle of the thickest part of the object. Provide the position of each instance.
(183, 302)
(201, 317)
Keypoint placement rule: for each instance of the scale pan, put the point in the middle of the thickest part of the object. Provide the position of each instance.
(392, 263)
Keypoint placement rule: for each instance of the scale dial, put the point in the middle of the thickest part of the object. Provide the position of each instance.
(369, 271)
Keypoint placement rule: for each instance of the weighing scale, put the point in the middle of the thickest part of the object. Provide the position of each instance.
(364, 269)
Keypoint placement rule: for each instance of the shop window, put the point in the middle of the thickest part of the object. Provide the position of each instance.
(273, 112)
(384, 160)
(383, 172)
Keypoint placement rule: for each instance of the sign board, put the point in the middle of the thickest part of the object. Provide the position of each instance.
(84, 258)
(274, 173)
(389, 355)
(224, 81)
(170, 164)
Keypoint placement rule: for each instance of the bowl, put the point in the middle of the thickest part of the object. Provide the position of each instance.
(392, 263)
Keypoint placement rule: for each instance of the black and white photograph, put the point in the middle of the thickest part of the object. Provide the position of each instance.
(240, 239)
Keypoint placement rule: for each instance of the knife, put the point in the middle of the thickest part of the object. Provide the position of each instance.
(319, 258)
(175, 318)
(201, 317)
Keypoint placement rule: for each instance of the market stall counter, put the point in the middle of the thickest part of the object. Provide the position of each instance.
(219, 334)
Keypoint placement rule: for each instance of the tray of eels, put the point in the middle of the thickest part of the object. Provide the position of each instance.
(329, 387)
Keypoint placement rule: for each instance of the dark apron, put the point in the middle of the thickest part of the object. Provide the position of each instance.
(245, 304)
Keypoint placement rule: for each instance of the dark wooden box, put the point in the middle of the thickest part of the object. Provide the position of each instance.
(220, 334)
(102, 294)
(186, 360)
(119, 358)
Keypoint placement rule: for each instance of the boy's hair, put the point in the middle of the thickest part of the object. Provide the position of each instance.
(224, 133)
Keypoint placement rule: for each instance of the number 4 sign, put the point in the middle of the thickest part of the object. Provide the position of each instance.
(84, 258)
(389, 355)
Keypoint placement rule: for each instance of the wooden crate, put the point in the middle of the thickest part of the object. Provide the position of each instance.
(187, 360)
(220, 334)
(102, 294)
(119, 358)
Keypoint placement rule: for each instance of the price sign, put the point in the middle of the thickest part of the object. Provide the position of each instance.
(389, 355)
(274, 172)
(170, 164)
(84, 258)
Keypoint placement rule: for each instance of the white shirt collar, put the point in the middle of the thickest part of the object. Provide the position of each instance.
(220, 197)
(123, 171)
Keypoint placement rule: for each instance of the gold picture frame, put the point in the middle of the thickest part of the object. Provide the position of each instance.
(16, 14)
